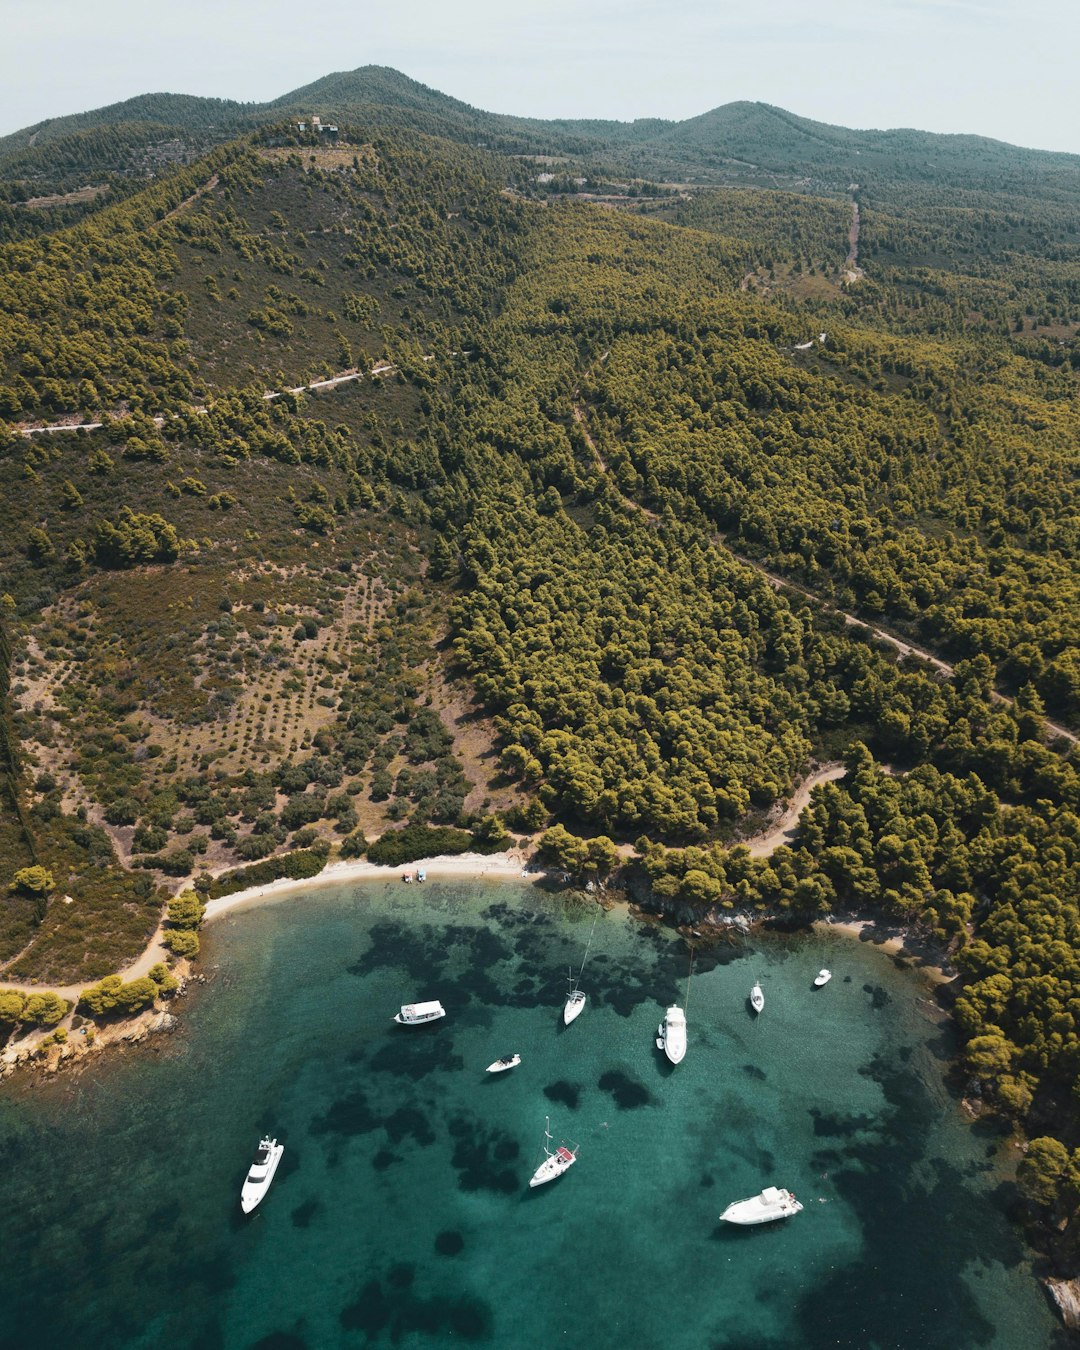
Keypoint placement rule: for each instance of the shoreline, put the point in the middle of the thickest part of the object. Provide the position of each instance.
(510, 865)
(927, 960)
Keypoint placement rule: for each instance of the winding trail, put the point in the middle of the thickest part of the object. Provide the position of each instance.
(852, 270)
(154, 952)
(783, 830)
(377, 372)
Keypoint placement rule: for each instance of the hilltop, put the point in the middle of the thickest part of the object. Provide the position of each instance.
(742, 142)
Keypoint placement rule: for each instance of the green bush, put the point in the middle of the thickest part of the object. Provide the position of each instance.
(417, 841)
(182, 942)
(298, 866)
(185, 910)
(45, 1009)
(112, 995)
(37, 880)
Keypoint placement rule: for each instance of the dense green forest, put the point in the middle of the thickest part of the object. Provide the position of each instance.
(610, 522)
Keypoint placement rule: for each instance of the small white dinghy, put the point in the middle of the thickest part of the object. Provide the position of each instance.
(757, 998)
(823, 977)
(555, 1162)
(671, 1034)
(507, 1062)
(261, 1173)
(412, 1014)
(771, 1204)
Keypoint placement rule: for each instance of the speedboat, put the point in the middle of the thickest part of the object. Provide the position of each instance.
(261, 1173)
(823, 977)
(771, 1204)
(555, 1162)
(413, 1013)
(671, 1034)
(507, 1062)
(757, 998)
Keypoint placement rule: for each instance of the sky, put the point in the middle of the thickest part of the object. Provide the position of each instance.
(992, 67)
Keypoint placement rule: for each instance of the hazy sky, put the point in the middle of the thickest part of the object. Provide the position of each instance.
(1003, 68)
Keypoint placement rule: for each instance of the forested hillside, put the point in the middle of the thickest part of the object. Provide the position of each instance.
(410, 489)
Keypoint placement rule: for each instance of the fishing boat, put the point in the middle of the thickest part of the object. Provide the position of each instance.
(260, 1173)
(823, 977)
(507, 1062)
(671, 1035)
(575, 1001)
(555, 1161)
(757, 998)
(412, 1014)
(770, 1205)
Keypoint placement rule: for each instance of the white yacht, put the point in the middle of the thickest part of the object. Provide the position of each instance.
(771, 1204)
(671, 1035)
(507, 1062)
(757, 998)
(575, 1001)
(555, 1162)
(261, 1173)
(823, 977)
(413, 1013)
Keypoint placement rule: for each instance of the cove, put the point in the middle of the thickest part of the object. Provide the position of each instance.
(401, 1214)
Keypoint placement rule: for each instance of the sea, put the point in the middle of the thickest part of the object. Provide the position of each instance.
(401, 1214)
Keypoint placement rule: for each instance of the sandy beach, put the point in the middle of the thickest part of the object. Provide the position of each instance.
(510, 865)
(892, 944)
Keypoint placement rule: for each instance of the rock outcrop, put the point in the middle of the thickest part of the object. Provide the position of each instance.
(1066, 1294)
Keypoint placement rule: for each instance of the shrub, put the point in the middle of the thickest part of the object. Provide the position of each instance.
(112, 995)
(185, 910)
(298, 866)
(12, 1003)
(166, 982)
(181, 942)
(37, 880)
(354, 846)
(45, 1009)
(417, 841)
(149, 839)
(122, 811)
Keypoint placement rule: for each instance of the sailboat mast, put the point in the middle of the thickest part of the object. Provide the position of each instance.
(588, 944)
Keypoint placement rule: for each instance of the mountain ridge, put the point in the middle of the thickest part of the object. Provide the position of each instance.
(385, 87)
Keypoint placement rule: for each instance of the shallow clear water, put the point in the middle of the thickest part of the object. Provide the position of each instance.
(401, 1214)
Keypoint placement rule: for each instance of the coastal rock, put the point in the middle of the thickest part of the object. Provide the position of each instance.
(1066, 1295)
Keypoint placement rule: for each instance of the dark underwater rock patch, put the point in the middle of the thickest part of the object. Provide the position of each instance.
(303, 1214)
(628, 1093)
(449, 1243)
(564, 1093)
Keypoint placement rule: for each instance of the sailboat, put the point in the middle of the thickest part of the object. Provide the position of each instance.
(575, 998)
(555, 1162)
(757, 998)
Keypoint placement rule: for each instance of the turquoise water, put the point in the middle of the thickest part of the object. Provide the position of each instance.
(401, 1213)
